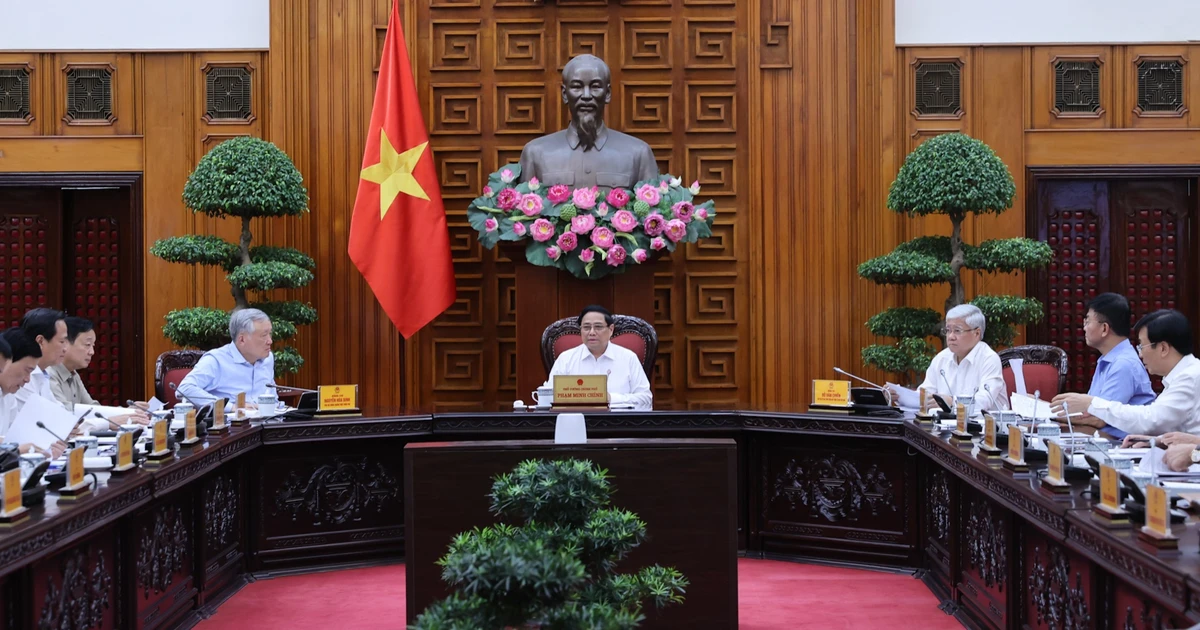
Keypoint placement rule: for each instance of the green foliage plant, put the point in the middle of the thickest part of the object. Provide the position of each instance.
(555, 571)
(243, 178)
(954, 175)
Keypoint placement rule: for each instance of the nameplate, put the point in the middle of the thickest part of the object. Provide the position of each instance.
(1110, 493)
(75, 467)
(922, 403)
(1054, 459)
(587, 389)
(1157, 519)
(189, 428)
(335, 398)
(12, 492)
(124, 452)
(160, 437)
(1016, 444)
(831, 393)
(960, 414)
(989, 432)
(219, 414)
(241, 401)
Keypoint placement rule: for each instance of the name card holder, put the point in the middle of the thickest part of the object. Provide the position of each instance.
(239, 410)
(12, 511)
(219, 425)
(160, 450)
(585, 391)
(1053, 481)
(76, 487)
(1156, 534)
(831, 396)
(988, 448)
(338, 400)
(924, 417)
(1015, 460)
(190, 436)
(125, 461)
(959, 435)
(1108, 512)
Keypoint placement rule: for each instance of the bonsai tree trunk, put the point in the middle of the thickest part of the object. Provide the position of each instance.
(239, 294)
(956, 261)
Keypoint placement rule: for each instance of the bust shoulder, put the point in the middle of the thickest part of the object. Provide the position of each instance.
(548, 141)
(627, 140)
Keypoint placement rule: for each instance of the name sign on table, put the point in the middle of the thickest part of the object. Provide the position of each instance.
(218, 423)
(831, 393)
(124, 453)
(241, 401)
(76, 487)
(1110, 491)
(337, 398)
(989, 432)
(585, 389)
(960, 414)
(160, 440)
(189, 428)
(1015, 461)
(1157, 521)
(13, 510)
(1054, 460)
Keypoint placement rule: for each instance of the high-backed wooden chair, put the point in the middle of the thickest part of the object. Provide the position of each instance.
(1044, 367)
(169, 369)
(629, 332)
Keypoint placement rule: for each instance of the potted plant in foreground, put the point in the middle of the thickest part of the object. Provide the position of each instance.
(555, 571)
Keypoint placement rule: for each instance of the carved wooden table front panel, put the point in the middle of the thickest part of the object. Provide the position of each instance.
(1060, 588)
(76, 589)
(985, 539)
(163, 561)
(221, 543)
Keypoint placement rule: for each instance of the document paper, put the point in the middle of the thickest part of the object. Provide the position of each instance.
(24, 428)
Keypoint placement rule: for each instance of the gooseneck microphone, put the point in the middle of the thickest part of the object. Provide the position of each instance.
(42, 425)
(110, 422)
(841, 371)
(991, 397)
(946, 382)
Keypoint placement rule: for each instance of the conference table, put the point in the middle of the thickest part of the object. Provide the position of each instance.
(164, 547)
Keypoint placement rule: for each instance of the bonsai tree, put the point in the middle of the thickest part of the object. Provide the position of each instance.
(555, 570)
(954, 175)
(243, 178)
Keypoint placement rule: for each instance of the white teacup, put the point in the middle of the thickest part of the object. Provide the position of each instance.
(544, 397)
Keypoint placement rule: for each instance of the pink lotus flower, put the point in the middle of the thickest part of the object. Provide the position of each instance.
(649, 194)
(676, 230)
(543, 230)
(507, 176)
(695, 187)
(583, 223)
(490, 224)
(654, 224)
(603, 237)
(602, 209)
(553, 252)
(534, 184)
(568, 241)
(676, 182)
(530, 205)
(587, 255)
(624, 221)
(585, 198)
(683, 211)
(640, 255)
(658, 243)
(617, 198)
(702, 214)
(663, 187)
(616, 256)
(519, 228)
(508, 199)
(487, 192)
(558, 193)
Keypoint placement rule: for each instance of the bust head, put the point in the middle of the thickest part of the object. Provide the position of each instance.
(586, 89)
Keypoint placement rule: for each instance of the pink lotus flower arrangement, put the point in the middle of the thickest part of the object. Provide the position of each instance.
(590, 231)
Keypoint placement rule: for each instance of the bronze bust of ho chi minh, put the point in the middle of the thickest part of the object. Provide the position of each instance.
(587, 153)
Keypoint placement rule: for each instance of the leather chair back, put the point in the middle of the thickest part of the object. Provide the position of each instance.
(629, 332)
(170, 368)
(1044, 368)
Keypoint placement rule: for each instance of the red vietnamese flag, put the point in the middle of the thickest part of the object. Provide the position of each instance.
(398, 235)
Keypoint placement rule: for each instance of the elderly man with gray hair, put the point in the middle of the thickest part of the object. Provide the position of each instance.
(245, 365)
(968, 366)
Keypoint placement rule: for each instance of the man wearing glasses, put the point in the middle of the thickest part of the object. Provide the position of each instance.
(627, 382)
(1120, 376)
(1165, 346)
(968, 366)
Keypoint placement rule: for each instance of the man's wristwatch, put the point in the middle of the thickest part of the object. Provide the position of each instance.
(1195, 455)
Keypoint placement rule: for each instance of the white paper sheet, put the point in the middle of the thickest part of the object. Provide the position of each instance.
(25, 430)
(1018, 374)
(107, 412)
(905, 397)
(155, 404)
(1029, 407)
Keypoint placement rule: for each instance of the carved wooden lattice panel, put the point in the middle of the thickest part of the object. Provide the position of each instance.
(490, 78)
(24, 250)
(97, 297)
(1074, 277)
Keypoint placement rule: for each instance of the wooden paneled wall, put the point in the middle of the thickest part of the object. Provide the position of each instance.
(807, 120)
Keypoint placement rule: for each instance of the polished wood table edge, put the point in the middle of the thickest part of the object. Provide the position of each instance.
(345, 428)
(600, 443)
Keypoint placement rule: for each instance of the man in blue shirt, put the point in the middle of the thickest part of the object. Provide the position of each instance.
(1120, 375)
(244, 365)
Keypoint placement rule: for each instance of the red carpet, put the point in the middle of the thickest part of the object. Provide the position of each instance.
(771, 595)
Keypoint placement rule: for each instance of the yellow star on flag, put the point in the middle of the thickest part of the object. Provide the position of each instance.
(393, 173)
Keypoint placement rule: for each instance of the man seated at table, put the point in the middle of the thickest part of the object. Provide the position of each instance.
(244, 365)
(68, 387)
(627, 382)
(1120, 375)
(1165, 346)
(967, 366)
(48, 328)
(22, 360)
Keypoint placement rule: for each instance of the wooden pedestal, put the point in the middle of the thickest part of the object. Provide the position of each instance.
(546, 294)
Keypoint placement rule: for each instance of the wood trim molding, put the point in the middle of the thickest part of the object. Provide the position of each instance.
(71, 154)
(1134, 147)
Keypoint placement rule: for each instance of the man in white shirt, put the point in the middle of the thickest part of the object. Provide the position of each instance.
(23, 360)
(967, 366)
(1165, 346)
(627, 382)
(48, 328)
